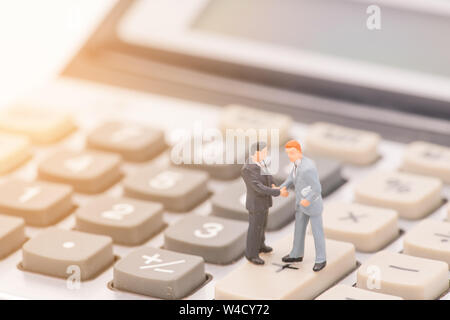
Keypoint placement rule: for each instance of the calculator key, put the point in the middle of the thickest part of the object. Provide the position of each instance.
(368, 228)
(210, 156)
(215, 239)
(133, 142)
(428, 159)
(329, 172)
(343, 292)
(159, 273)
(39, 203)
(349, 145)
(87, 171)
(278, 280)
(429, 239)
(14, 150)
(59, 253)
(177, 188)
(237, 117)
(412, 196)
(230, 204)
(126, 221)
(40, 125)
(405, 276)
(12, 234)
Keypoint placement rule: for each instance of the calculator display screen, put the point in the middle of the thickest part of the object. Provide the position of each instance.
(407, 39)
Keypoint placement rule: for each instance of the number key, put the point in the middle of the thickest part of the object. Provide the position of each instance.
(39, 203)
(40, 125)
(126, 221)
(159, 273)
(88, 171)
(211, 157)
(215, 239)
(230, 204)
(132, 141)
(178, 189)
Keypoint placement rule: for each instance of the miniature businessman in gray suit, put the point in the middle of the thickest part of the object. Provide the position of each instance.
(305, 179)
(259, 199)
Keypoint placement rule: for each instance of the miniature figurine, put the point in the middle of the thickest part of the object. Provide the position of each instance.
(260, 190)
(309, 206)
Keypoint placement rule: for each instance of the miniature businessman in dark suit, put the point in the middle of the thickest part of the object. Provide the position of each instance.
(259, 199)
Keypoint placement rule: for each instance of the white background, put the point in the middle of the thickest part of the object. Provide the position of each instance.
(38, 38)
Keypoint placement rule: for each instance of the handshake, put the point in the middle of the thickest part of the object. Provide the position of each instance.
(283, 191)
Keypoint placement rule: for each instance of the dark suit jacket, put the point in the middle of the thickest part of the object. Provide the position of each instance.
(259, 190)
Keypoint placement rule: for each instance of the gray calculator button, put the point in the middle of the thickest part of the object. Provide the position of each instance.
(230, 203)
(87, 171)
(60, 253)
(41, 125)
(238, 117)
(176, 188)
(39, 203)
(429, 239)
(215, 239)
(132, 141)
(349, 145)
(12, 234)
(329, 172)
(13, 152)
(159, 273)
(210, 157)
(276, 280)
(412, 196)
(402, 275)
(126, 221)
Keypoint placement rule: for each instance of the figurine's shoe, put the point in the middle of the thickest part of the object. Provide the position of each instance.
(319, 266)
(256, 260)
(288, 258)
(265, 249)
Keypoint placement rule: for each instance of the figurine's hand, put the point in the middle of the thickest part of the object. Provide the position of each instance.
(305, 203)
(284, 192)
(275, 187)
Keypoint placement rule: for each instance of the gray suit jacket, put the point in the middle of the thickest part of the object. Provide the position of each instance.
(307, 186)
(259, 188)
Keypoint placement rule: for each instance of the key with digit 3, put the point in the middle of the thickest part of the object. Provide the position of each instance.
(215, 239)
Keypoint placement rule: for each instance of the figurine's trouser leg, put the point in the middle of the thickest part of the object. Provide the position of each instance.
(255, 234)
(319, 238)
(301, 221)
(263, 235)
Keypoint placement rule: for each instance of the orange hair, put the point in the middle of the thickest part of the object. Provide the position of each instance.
(293, 144)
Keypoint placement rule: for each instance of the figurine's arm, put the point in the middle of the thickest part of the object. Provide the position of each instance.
(258, 186)
(288, 182)
(313, 189)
